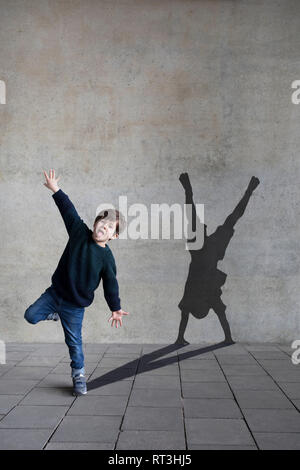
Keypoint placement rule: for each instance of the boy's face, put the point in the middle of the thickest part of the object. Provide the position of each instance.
(104, 230)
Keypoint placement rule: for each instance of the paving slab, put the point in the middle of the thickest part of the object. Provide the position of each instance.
(150, 347)
(48, 396)
(152, 369)
(7, 402)
(287, 349)
(118, 362)
(151, 440)
(104, 405)
(111, 373)
(39, 417)
(18, 439)
(262, 399)
(5, 367)
(157, 381)
(202, 376)
(26, 372)
(20, 347)
(155, 398)
(261, 347)
(279, 364)
(243, 369)
(206, 390)
(269, 354)
(251, 382)
(211, 408)
(16, 355)
(113, 388)
(48, 349)
(236, 349)
(262, 420)
(57, 381)
(291, 389)
(16, 386)
(277, 441)
(40, 361)
(97, 348)
(125, 348)
(297, 404)
(193, 352)
(170, 358)
(286, 376)
(127, 355)
(156, 419)
(79, 446)
(104, 429)
(204, 364)
(217, 432)
(220, 447)
(236, 359)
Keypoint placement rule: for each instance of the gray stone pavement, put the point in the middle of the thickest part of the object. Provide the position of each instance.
(164, 397)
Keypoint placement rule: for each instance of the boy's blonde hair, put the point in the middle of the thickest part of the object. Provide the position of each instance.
(115, 216)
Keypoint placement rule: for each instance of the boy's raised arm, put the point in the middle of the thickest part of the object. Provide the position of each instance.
(65, 206)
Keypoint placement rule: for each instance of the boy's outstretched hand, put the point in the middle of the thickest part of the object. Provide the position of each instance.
(117, 317)
(51, 181)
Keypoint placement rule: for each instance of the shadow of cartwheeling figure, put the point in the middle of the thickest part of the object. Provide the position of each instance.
(203, 285)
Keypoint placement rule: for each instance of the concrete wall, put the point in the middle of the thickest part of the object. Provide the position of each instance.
(120, 97)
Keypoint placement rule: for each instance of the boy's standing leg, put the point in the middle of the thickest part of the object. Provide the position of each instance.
(71, 319)
(50, 304)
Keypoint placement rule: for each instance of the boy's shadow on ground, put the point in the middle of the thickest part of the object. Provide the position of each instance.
(145, 363)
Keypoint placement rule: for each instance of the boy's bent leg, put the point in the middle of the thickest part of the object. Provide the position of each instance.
(41, 308)
(71, 319)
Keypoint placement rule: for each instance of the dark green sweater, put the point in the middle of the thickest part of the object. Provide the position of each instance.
(83, 263)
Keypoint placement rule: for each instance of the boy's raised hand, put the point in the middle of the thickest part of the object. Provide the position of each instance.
(51, 181)
(117, 317)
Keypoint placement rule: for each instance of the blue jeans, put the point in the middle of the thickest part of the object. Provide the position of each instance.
(71, 318)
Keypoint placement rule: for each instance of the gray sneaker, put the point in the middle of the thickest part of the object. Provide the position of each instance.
(79, 385)
(53, 316)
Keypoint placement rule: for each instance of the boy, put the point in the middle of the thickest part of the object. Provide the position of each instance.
(85, 261)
